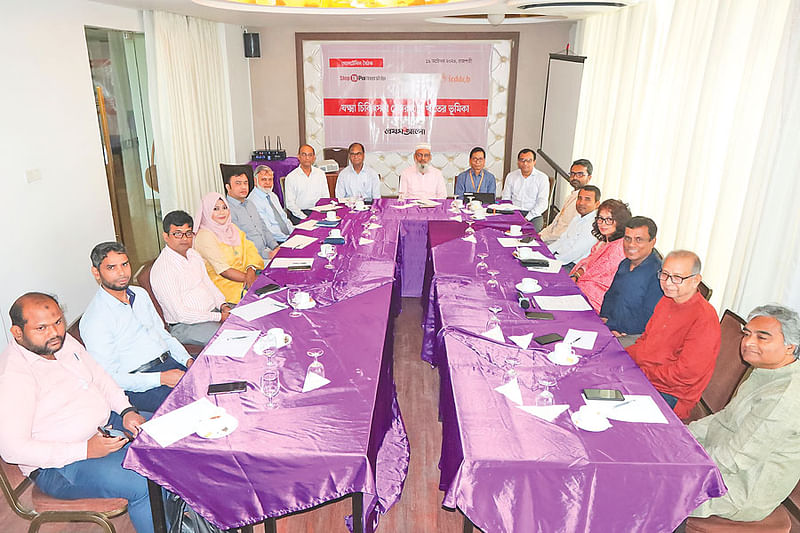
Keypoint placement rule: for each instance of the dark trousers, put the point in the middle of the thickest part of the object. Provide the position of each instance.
(296, 220)
(150, 400)
(669, 398)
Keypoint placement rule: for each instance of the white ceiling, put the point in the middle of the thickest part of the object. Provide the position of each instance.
(429, 17)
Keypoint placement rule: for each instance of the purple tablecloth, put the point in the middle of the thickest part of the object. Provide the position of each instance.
(345, 437)
(508, 470)
(279, 169)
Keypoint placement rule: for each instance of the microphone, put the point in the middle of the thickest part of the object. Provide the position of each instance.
(523, 300)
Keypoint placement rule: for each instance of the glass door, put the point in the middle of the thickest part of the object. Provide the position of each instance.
(119, 78)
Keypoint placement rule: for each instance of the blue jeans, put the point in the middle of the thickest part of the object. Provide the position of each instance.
(669, 398)
(102, 477)
(151, 400)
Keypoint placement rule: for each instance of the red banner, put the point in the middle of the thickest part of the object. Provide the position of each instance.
(360, 62)
(367, 107)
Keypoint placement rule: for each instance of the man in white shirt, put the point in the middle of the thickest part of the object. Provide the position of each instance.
(421, 180)
(528, 188)
(577, 241)
(580, 173)
(358, 180)
(305, 185)
(193, 306)
(268, 204)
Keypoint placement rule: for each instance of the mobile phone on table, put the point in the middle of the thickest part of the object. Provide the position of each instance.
(538, 315)
(526, 240)
(111, 432)
(227, 388)
(603, 394)
(299, 267)
(267, 289)
(538, 263)
(548, 339)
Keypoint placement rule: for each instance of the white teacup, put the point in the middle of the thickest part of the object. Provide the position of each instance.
(524, 253)
(515, 230)
(302, 298)
(563, 350)
(277, 337)
(359, 204)
(458, 203)
(529, 284)
(330, 215)
(475, 205)
(335, 233)
(325, 248)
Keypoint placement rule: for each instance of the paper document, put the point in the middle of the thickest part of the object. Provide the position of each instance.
(232, 342)
(325, 208)
(182, 422)
(306, 225)
(298, 242)
(511, 391)
(511, 242)
(259, 308)
(571, 302)
(533, 254)
(314, 381)
(504, 207)
(635, 408)
(545, 412)
(580, 339)
(286, 262)
(553, 267)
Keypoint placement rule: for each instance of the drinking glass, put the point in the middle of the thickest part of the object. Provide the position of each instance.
(494, 320)
(316, 367)
(270, 386)
(512, 360)
(330, 255)
(546, 380)
(366, 229)
(291, 299)
(266, 346)
(469, 230)
(482, 266)
(492, 281)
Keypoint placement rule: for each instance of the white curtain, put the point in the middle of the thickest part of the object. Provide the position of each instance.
(681, 110)
(186, 60)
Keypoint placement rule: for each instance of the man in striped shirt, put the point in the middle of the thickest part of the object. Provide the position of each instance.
(193, 306)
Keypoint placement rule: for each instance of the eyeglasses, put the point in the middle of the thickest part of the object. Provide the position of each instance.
(577, 174)
(603, 220)
(356, 153)
(674, 278)
(637, 240)
(525, 160)
(182, 234)
(476, 159)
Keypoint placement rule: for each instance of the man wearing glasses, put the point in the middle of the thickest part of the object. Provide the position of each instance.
(358, 180)
(528, 188)
(679, 346)
(475, 178)
(193, 306)
(580, 173)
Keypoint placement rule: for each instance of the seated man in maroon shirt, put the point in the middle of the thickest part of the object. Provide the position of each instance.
(679, 346)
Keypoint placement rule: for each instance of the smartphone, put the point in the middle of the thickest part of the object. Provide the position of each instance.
(227, 388)
(543, 263)
(299, 267)
(538, 315)
(111, 432)
(267, 289)
(548, 339)
(603, 394)
(526, 240)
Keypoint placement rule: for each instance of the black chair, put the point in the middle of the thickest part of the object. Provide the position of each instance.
(235, 170)
(337, 154)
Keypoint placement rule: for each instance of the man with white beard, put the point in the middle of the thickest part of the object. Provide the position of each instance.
(421, 180)
(268, 204)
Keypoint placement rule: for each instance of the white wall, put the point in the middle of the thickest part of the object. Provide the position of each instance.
(239, 92)
(49, 123)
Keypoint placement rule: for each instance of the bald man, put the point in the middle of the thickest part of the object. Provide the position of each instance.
(53, 397)
(305, 185)
(421, 180)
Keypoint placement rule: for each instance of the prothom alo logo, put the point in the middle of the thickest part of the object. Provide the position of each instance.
(404, 131)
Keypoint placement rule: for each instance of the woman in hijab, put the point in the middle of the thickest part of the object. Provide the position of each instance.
(232, 261)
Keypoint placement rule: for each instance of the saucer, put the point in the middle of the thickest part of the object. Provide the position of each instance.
(308, 305)
(217, 426)
(520, 234)
(528, 258)
(260, 343)
(519, 288)
(326, 219)
(596, 426)
(568, 361)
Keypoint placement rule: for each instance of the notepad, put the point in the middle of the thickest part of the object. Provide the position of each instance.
(298, 242)
(580, 339)
(570, 302)
(259, 308)
(170, 428)
(325, 208)
(232, 342)
(511, 242)
(287, 262)
(635, 408)
(307, 225)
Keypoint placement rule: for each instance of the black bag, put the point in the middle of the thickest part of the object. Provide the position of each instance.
(183, 519)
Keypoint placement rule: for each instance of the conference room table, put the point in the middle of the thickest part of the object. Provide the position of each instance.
(508, 470)
(345, 438)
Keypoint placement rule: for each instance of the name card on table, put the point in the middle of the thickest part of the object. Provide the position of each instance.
(232, 343)
(570, 302)
(259, 308)
(298, 242)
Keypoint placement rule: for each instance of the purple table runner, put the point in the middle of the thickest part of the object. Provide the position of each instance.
(508, 470)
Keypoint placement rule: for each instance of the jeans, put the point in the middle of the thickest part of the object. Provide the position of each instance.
(669, 398)
(150, 400)
(102, 477)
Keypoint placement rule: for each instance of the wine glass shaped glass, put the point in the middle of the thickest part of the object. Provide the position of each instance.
(512, 360)
(546, 380)
(482, 266)
(291, 299)
(316, 367)
(266, 346)
(494, 320)
(330, 255)
(470, 230)
(270, 386)
(492, 280)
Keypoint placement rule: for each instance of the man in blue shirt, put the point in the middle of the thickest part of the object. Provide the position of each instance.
(635, 291)
(357, 179)
(475, 178)
(268, 204)
(245, 215)
(124, 333)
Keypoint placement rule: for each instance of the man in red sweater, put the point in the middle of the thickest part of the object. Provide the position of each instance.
(679, 346)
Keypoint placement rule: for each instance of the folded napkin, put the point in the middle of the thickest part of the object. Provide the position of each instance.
(471, 239)
(333, 240)
(373, 225)
(523, 341)
(363, 240)
(457, 218)
(511, 391)
(314, 381)
(545, 412)
(496, 334)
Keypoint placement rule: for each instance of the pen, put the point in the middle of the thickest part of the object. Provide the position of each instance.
(237, 338)
(623, 403)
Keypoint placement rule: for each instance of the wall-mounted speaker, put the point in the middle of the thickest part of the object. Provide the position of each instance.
(252, 46)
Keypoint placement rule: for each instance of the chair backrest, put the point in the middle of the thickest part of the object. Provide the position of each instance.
(283, 188)
(730, 367)
(142, 278)
(75, 330)
(235, 170)
(705, 290)
(337, 154)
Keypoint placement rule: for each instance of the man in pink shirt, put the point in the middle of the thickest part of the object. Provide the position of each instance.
(193, 306)
(421, 180)
(53, 399)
